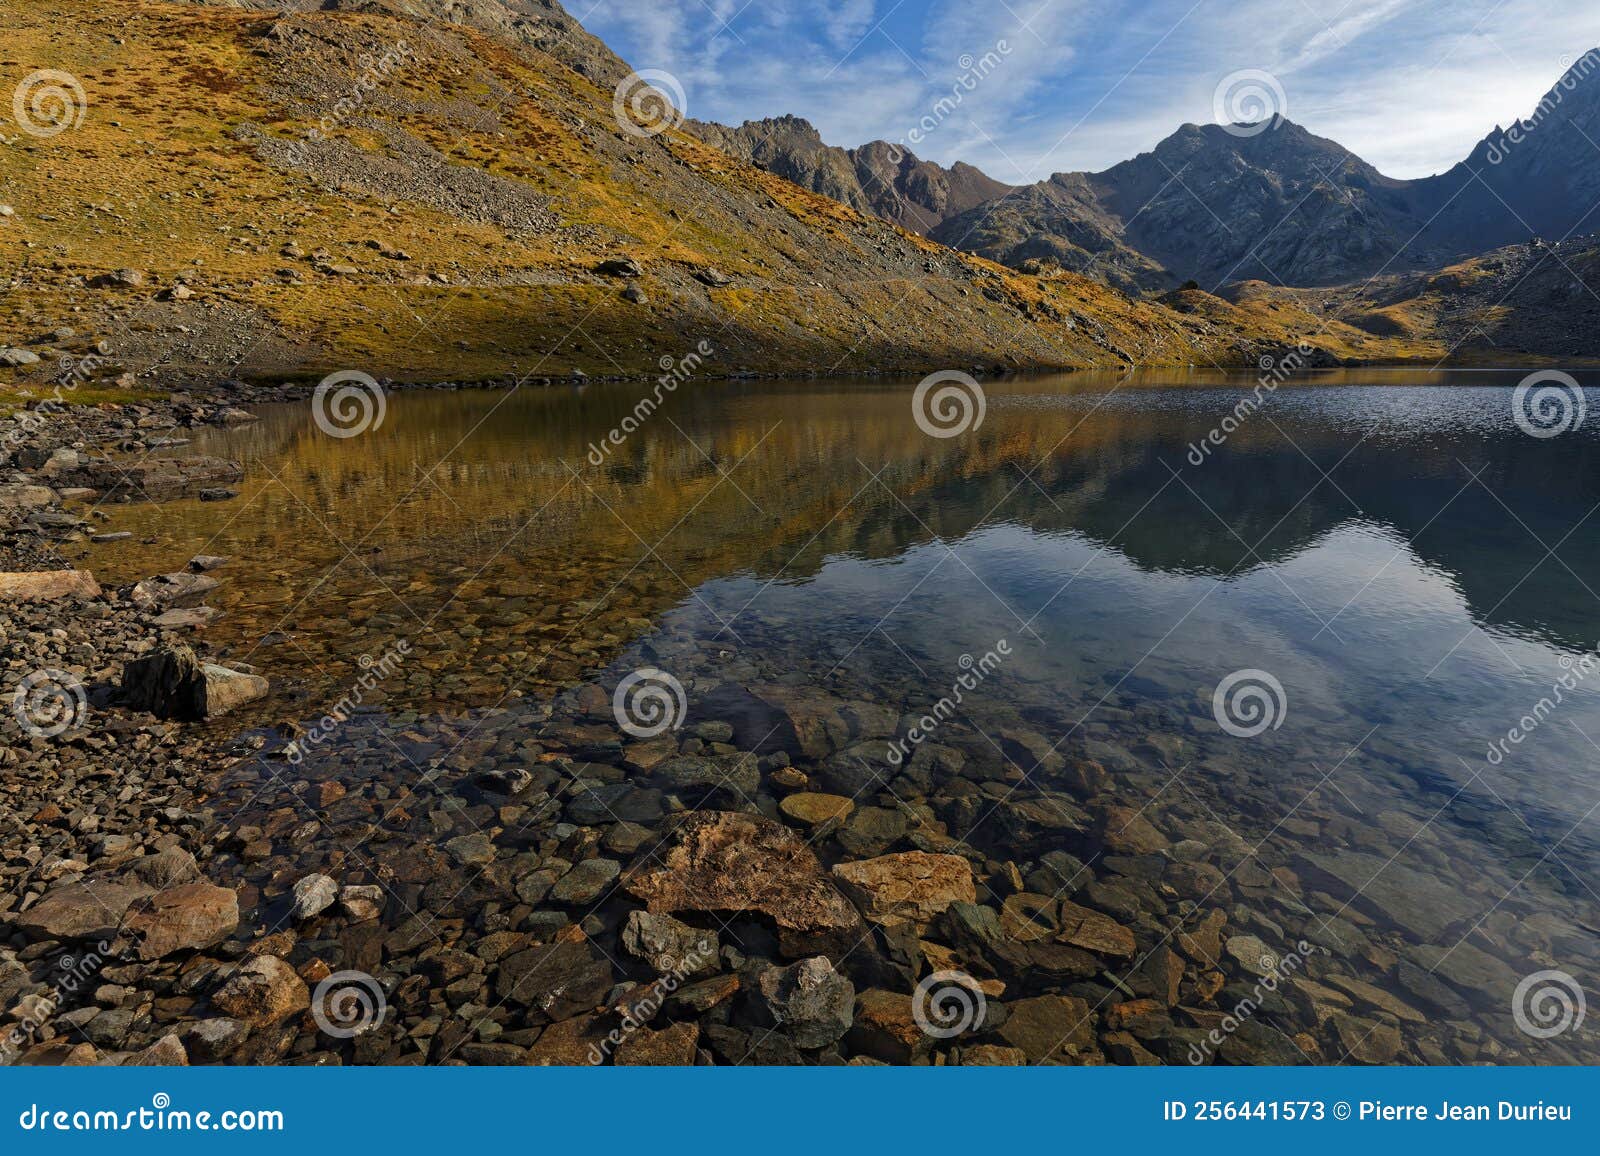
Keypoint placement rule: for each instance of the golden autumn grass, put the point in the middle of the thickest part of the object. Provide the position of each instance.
(162, 176)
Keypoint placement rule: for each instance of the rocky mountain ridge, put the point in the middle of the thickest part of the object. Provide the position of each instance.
(1215, 204)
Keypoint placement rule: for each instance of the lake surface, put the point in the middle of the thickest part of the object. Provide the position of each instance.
(1402, 573)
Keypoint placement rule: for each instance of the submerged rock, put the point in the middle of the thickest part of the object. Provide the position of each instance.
(913, 885)
(810, 1000)
(726, 861)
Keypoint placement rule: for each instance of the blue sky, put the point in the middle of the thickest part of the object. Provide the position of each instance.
(1410, 85)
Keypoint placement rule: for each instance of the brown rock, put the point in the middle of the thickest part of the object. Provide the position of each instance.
(1126, 1051)
(59, 1053)
(1203, 942)
(816, 728)
(725, 861)
(167, 1052)
(577, 1042)
(89, 909)
(262, 990)
(993, 1056)
(556, 981)
(1366, 1041)
(48, 586)
(1027, 917)
(815, 809)
(1094, 931)
(912, 885)
(886, 1030)
(1145, 1018)
(1165, 968)
(1048, 1027)
(193, 915)
(1377, 997)
(671, 1047)
(1124, 829)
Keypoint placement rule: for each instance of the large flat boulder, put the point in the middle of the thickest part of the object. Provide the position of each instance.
(183, 918)
(48, 586)
(1422, 904)
(87, 910)
(731, 862)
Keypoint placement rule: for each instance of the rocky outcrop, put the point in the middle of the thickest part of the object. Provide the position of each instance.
(880, 178)
(173, 683)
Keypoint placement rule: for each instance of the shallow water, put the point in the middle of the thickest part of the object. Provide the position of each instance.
(1412, 569)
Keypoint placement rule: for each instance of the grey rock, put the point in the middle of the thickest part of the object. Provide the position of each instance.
(313, 895)
(668, 945)
(812, 1001)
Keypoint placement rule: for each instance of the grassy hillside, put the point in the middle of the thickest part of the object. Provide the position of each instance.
(447, 221)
